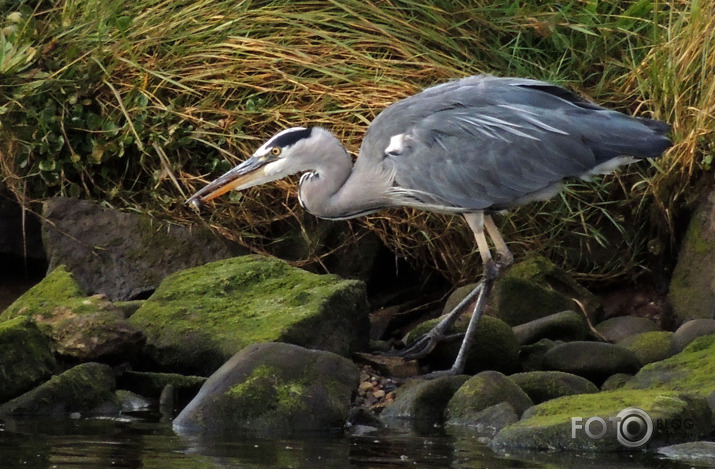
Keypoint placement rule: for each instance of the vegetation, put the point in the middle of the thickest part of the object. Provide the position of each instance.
(139, 104)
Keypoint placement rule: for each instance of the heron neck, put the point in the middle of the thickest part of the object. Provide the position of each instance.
(337, 190)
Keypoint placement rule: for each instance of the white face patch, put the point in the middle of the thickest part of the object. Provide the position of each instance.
(266, 147)
(397, 143)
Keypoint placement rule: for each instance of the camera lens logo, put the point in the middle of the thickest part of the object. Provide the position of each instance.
(634, 427)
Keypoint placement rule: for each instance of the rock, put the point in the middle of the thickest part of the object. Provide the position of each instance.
(697, 453)
(120, 254)
(692, 286)
(495, 346)
(690, 330)
(483, 391)
(151, 384)
(198, 318)
(536, 288)
(424, 400)
(25, 357)
(560, 424)
(273, 388)
(649, 347)
(388, 365)
(104, 336)
(87, 389)
(542, 386)
(566, 325)
(691, 371)
(616, 329)
(615, 381)
(532, 356)
(595, 361)
(80, 327)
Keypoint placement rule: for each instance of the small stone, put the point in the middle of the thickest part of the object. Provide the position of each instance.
(651, 346)
(379, 394)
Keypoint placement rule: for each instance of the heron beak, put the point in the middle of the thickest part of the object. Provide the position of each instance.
(249, 173)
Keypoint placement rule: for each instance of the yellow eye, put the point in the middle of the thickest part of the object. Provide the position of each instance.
(276, 151)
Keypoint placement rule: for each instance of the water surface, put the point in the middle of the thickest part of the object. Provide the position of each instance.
(138, 443)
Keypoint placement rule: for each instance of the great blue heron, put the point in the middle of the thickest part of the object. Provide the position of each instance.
(472, 147)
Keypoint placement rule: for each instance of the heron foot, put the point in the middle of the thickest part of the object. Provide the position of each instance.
(428, 341)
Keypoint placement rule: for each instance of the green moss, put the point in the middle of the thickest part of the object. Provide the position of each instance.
(650, 346)
(58, 290)
(691, 371)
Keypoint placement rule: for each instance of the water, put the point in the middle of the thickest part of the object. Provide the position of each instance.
(137, 443)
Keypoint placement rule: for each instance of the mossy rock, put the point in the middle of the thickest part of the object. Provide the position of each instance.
(495, 346)
(273, 388)
(482, 391)
(692, 286)
(542, 386)
(198, 318)
(536, 288)
(549, 426)
(424, 400)
(651, 346)
(83, 328)
(55, 294)
(691, 371)
(87, 388)
(25, 357)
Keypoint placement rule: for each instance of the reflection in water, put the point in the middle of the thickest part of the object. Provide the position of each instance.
(133, 443)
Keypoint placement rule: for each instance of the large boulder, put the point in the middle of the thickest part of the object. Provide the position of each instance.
(536, 288)
(692, 287)
(123, 255)
(87, 389)
(199, 318)
(273, 388)
(80, 327)
(25, 357)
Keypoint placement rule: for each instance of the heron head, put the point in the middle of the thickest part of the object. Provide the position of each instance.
(282, 155)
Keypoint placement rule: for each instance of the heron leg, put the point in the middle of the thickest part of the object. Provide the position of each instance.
(504, 256)
(479, 223)
(428, 341)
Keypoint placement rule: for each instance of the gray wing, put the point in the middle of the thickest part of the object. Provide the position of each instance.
(490, 143)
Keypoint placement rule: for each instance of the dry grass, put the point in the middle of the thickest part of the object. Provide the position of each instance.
(141, 103)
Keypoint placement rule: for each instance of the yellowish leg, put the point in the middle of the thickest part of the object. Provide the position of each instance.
(505, 256)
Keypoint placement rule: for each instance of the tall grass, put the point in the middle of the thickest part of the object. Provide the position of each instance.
(141, 103)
